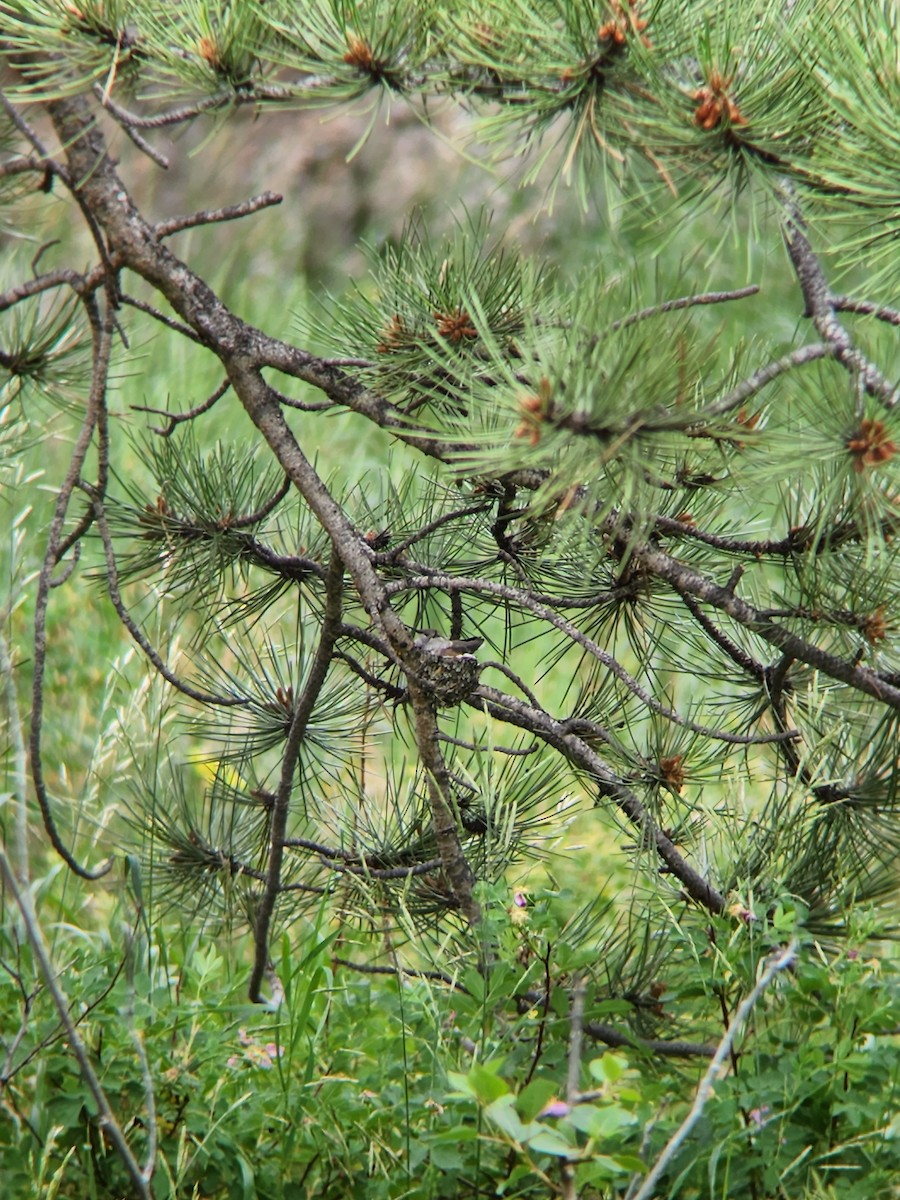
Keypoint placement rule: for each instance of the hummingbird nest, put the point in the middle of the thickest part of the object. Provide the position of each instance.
(446, 679)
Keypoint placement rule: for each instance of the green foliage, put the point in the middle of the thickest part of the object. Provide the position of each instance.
(629, 567)
(410, 1088)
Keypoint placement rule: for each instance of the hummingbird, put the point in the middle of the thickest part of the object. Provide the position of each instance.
(432, 642)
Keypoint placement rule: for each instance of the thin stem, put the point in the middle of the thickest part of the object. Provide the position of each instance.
(96, 402)
(849, 304)
(115, 596)
(820, 307)
(686, 580)
(176, 419)
(459, 874)
(754, 383)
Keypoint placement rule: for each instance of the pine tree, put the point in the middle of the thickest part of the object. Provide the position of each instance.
(621, 557)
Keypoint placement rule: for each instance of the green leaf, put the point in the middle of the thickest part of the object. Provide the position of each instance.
(503, 1113)
(482, 1083)
(534, 1097)
(601, 1167)
(600, 1122)
(458, 1133)
(551, 1141)
(609, 1068)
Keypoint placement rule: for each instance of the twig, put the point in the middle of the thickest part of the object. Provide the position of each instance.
(757, 381)
(617, 1038)
(779, 961)
(21, 166)
(268, 506)
(685, 302)
(545, 1012)
(581, 754)
(29, 133)
(52, 1038)
(879, 311)
(141, 142)
(456, 868)
(366, 872)
(231, 212)
(736, 653)
(169, 322)
(19, 763)
(174, 116)
(406, 972)
(44, 283)
(821, 308)
(115, 596)
(512, 751)
(432, 526)
(685, 579)
(176, 419)
(102, 333)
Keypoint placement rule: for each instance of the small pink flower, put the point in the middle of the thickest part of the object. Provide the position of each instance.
(254, 1054)
(556, 1108)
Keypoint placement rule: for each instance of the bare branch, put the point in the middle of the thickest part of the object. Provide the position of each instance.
(231, 212)
(96, 403)
(139, 1177)
(403, 972)
(685, 579)
(64, 277)
(112, 587)
(175, 116)
(169, 322)
(849, 304)
(685, 302)
(176, 419)
(618, 1039)
(445, 824)
(449, 583)
(21, 166)
(764, 375)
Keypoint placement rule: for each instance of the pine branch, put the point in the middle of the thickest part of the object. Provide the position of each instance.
(102, 332)
(232, 212)
(522, 599)
(850, 304)
(557, 734)
(686, 580)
